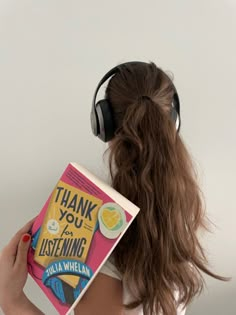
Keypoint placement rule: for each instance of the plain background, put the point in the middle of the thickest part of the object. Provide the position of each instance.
(52, 55)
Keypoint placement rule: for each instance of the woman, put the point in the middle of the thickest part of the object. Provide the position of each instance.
(155, 269)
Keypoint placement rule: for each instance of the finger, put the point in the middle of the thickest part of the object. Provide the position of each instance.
(22, 250)
(11, 248)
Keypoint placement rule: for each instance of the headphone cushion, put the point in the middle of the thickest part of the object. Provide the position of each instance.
(94, 121)
(105, 126)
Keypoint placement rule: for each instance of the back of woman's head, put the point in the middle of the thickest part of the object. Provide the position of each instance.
(150, 165)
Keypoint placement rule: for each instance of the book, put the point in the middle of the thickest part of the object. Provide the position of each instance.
(74, 234)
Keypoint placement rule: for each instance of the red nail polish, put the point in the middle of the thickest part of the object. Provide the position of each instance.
(25, 238)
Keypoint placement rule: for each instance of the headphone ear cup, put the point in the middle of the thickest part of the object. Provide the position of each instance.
(105, 127)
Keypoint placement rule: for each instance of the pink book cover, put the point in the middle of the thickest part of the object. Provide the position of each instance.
(74, 234)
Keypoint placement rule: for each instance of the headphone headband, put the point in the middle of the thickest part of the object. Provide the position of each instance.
(110, 73)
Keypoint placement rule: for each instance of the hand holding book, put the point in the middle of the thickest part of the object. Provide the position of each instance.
(67, 244)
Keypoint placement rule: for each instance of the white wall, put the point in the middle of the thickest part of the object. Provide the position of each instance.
(52, 54)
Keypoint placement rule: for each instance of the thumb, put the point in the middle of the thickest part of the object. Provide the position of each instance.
(22, 251)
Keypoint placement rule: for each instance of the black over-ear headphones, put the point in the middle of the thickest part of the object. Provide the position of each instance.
(102, 121)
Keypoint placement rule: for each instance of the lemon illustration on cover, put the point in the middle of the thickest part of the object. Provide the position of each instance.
(112, 220)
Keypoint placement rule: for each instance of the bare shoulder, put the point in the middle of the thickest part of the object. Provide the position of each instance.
(103, 297)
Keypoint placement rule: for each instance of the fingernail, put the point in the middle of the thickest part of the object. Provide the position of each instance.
(25, 238)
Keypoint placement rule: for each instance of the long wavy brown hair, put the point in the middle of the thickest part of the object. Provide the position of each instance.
(150, 165)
